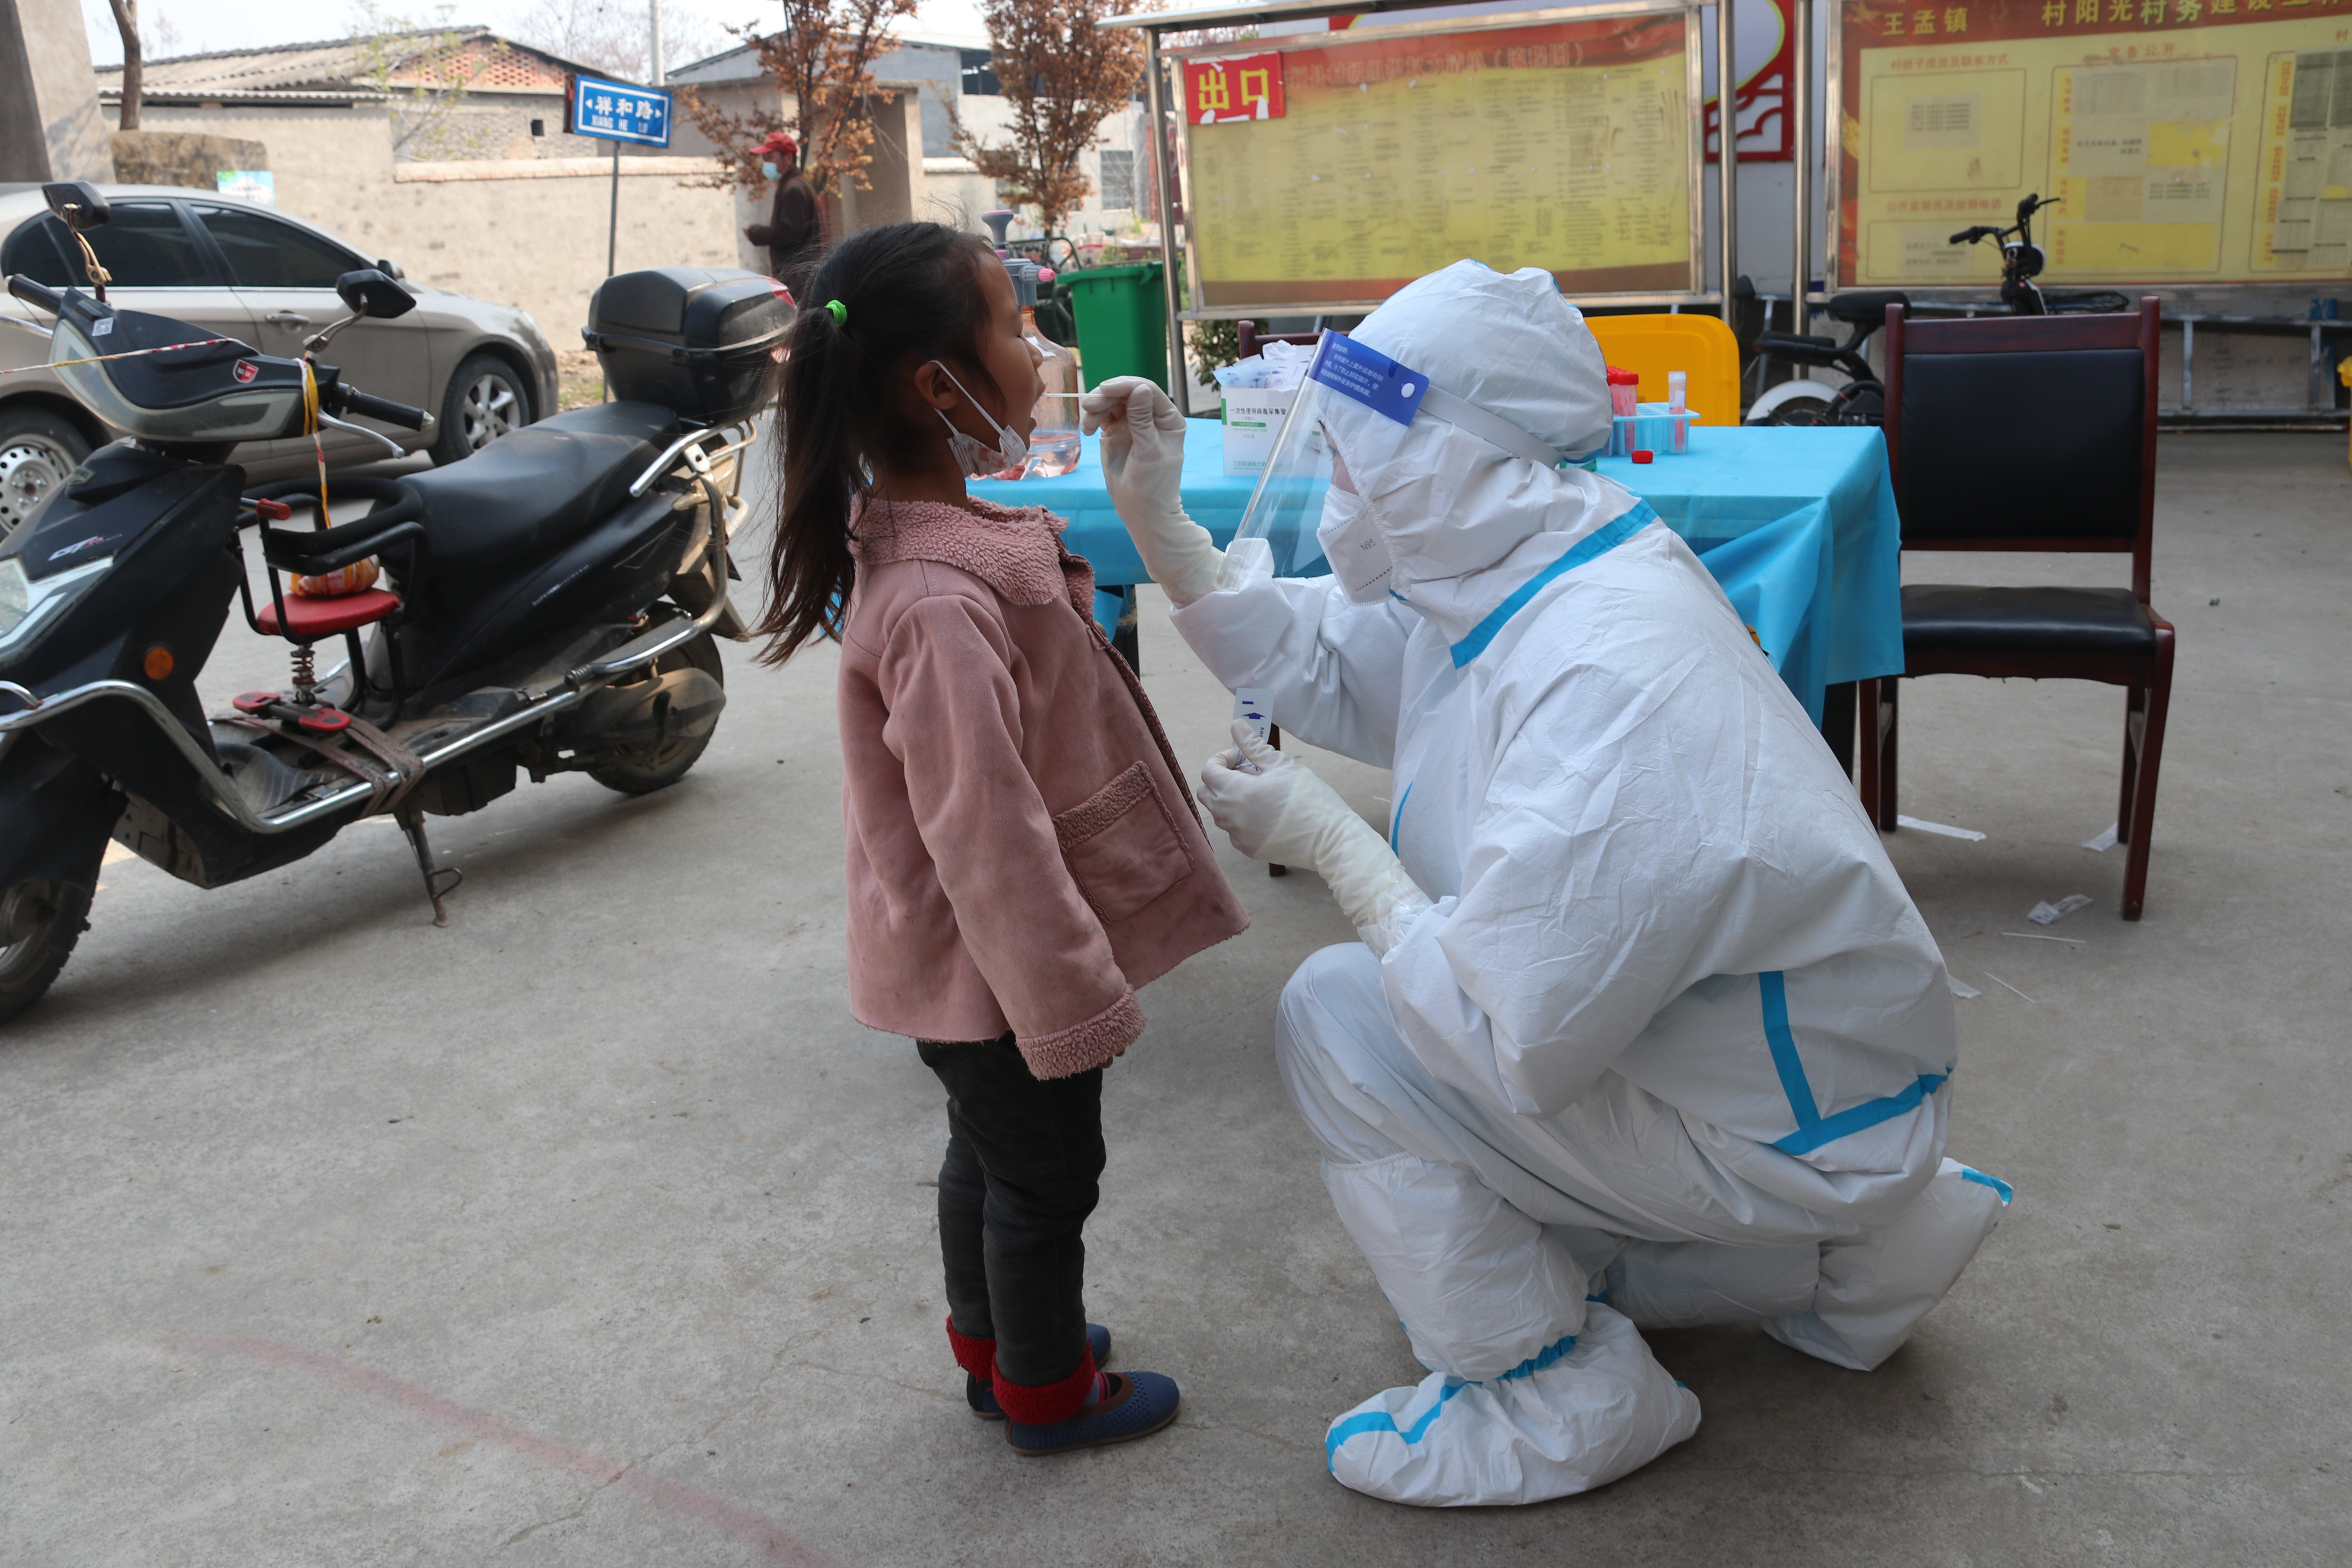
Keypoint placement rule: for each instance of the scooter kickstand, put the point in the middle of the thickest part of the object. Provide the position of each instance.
(411, 822)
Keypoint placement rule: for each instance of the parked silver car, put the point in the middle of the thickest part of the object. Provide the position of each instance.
(255, 274)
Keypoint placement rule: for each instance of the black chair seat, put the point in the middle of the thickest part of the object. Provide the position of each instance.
(1948, 619)
(529, 494)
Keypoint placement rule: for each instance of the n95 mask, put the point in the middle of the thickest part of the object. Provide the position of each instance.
(1355, 546)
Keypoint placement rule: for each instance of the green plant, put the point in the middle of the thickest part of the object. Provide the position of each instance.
(1212, 345)
(423, 70)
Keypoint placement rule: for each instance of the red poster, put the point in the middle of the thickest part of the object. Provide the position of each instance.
(1247, 88)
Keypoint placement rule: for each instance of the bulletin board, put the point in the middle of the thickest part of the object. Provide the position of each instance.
(2188, 142)
(1325, 171)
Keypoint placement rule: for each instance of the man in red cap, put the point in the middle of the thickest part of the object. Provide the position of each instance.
(794, 232)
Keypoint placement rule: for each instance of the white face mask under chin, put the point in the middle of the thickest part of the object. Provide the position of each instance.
(1352, 543)
(976, 461)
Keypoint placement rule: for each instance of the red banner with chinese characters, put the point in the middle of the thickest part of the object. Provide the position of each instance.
(1247, 87)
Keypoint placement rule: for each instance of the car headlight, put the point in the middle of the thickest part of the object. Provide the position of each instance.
(29, 605)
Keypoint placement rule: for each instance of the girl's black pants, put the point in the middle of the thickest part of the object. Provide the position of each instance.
(1024, 1162)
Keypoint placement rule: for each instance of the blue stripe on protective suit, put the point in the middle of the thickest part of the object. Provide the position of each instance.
(1591, 547)
(1774, 985)
(2007, 1192)
(1813, 1129)
(1396, 823)
(1856, 1118)
(1381, 1421)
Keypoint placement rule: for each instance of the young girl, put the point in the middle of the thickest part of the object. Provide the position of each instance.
(1021, 856)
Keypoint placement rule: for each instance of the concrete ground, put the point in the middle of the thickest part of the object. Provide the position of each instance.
(591, 1230)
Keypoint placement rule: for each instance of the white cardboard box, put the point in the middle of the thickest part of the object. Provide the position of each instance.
(1253, 419)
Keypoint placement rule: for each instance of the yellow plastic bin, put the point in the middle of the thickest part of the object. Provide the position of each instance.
(1701, 347)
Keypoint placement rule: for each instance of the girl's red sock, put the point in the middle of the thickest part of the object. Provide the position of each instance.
(976, 1356)
(1045, 1404)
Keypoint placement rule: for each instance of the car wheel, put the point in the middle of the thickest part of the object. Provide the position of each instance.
(487, 399)
(37, 450)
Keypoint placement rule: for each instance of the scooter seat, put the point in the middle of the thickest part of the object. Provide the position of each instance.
(1866, 308)
(308, 619)
(529, 494)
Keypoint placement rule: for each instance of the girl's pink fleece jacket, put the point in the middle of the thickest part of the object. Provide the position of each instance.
(1022, 852)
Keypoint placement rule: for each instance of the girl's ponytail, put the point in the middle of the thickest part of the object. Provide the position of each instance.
(903, 292)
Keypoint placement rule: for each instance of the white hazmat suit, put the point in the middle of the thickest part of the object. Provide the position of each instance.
(1644, 1031)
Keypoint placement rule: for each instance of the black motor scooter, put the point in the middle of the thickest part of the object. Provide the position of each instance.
(548, 605)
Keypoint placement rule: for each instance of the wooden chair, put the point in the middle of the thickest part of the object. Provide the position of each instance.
(1251, 340)
(2030, 433)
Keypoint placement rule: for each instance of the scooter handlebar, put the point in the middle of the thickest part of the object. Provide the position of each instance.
(38, 295)
(351, 400)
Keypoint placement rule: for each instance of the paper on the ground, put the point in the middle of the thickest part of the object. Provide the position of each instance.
(1959, 986)
(2105, 841)
(1946, 828)
(2042, 914)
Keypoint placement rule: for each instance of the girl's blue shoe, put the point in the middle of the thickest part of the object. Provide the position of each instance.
(983, 1398)
(1139, 1403)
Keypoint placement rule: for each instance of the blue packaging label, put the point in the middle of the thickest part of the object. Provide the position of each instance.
(1368, 376)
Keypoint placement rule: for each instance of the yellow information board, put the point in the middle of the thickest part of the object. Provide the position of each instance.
(1568, 145)
(2204, 141)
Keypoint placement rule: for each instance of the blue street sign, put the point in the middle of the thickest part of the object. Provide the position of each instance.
(619, 111)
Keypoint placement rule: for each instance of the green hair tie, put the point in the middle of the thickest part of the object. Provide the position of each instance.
(839, 311)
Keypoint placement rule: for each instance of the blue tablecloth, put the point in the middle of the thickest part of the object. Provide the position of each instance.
(1799, 526)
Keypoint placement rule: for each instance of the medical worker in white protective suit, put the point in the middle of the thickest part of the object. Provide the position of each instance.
(1644, 1030)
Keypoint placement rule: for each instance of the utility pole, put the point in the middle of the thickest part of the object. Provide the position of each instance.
(659, 75)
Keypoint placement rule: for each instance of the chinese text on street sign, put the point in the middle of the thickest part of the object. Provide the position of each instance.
(618, 111)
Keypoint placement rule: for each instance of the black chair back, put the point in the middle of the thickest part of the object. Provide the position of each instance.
(2025, 432)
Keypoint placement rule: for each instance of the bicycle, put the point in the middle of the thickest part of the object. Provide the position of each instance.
(2021, 262)
(1862, 400)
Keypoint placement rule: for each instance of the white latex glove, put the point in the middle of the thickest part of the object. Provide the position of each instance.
(1143, 469)
(1284, 813)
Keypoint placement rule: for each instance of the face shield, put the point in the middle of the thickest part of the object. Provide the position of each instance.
(1312, 510)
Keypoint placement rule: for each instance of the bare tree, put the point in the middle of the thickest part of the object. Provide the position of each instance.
(616, 36)
(824, 63)
(1064, 74)
(126, 22)
(423, 72)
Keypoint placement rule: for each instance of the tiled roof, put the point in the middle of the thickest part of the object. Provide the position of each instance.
(475, 55)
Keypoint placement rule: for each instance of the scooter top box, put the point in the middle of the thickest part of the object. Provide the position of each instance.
(696, 339)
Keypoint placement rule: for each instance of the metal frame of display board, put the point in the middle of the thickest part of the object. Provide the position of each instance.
(1154, 24)
(2214, 290)
(2240, 305)
(1694, 217)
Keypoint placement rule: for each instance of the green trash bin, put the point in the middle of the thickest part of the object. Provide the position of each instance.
(1122, 315)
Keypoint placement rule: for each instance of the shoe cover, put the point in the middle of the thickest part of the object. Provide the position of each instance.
(1875, 1288)
(1585, 1413)
(1691, 1284)
(1479, 1286)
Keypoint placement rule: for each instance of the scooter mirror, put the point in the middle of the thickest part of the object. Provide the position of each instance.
(77, 204)
(370, 293)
